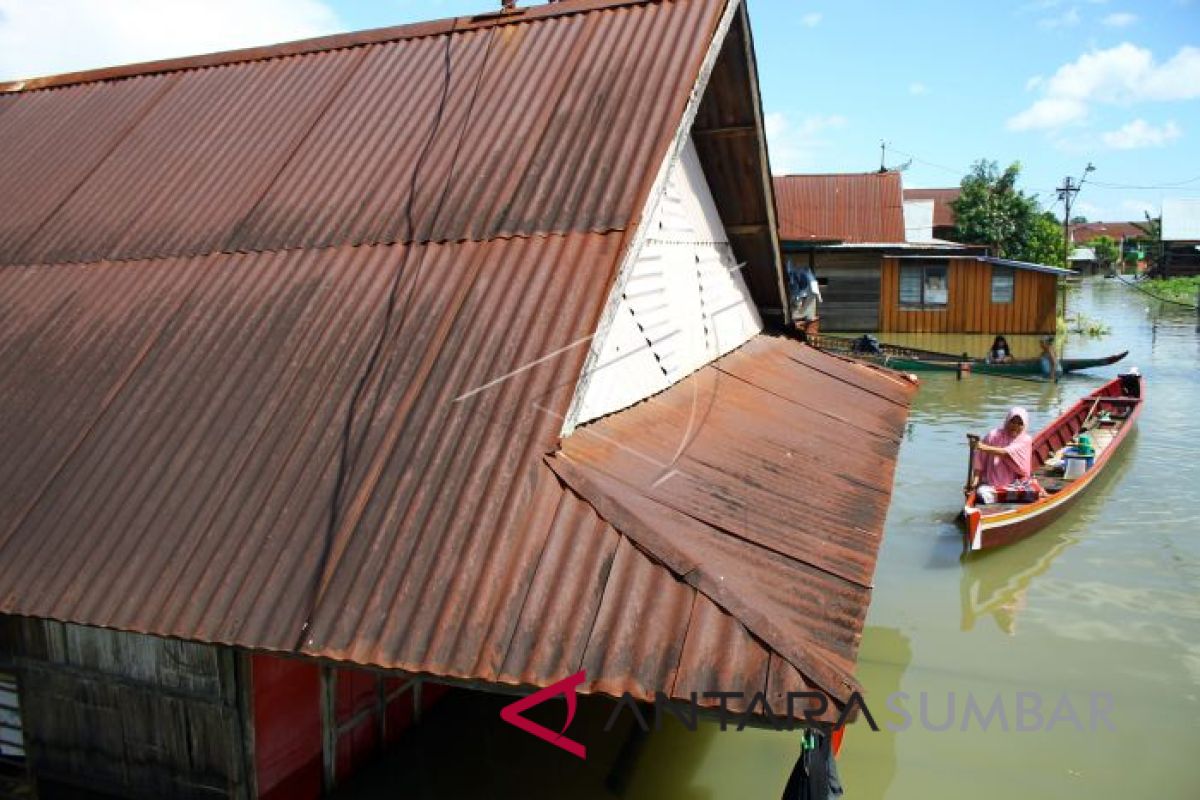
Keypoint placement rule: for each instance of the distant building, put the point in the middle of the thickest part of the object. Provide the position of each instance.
(1129, 238)
(943, 222)
(880, 268)
(1180, 238)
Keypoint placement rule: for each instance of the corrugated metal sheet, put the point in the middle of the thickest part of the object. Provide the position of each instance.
(337, 449)
(943, 212)
(855, 207)
(189, 493)
(510, 129)
(1086, 231)
(763, 480)
(174, 430)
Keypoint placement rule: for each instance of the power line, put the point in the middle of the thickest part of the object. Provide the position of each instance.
(918, 159)
(1156, 186)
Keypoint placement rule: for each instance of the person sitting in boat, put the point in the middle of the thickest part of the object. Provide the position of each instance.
(1000, 352)
(1002, 462)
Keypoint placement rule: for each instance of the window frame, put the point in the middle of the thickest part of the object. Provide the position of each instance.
(1012, 285)
(925, 304)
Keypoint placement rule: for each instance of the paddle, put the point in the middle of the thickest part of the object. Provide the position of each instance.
(972, 441)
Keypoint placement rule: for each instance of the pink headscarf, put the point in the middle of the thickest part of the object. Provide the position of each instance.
(1017, 461)
(1017, 411)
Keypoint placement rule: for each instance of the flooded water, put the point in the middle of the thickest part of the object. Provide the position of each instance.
(1104, 603)
(1093, 625)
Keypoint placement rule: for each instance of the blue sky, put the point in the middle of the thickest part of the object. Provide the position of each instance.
(1051, 83)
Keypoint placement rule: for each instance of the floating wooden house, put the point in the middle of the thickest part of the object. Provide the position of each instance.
(878, 276)
(323, 392)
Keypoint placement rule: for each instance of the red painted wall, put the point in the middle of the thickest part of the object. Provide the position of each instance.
(287, 727)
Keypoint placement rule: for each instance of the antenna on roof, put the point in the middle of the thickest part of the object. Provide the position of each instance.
(882, 155)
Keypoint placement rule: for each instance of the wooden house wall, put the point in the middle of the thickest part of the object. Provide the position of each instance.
(1180, 259)
(134, 715)
(850, 294)
(970, 308)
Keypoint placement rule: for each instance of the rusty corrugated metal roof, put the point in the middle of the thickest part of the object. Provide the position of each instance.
(853, 208)
(1084, 232)
(466, 132)
(943, 212)
(294, 393)
(763, 481)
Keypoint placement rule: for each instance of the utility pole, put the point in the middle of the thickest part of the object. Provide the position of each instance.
(1067, 193)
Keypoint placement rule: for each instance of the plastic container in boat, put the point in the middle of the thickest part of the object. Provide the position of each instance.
(1075, 463)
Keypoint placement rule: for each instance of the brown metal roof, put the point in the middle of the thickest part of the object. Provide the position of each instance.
(515, 129)
(251, 412)
(763, 481)
(943, 212)
(853, 208)
(1087, 231)
(178, 447)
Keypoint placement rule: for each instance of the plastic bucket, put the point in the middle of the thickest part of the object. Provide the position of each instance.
(1075, 464)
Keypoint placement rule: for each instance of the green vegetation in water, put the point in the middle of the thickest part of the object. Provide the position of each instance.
(1082, 324)
(1181, 290)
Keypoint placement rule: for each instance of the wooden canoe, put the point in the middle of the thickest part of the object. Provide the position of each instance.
(997, 524)
(911, 359)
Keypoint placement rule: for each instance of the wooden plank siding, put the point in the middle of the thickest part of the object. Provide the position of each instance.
(970, 308)
(850, 290)
(126, 714)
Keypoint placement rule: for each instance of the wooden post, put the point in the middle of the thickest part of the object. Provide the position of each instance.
(329, 732)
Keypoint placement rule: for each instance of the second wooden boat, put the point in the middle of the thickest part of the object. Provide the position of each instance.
(1106, 415)
(911, 359)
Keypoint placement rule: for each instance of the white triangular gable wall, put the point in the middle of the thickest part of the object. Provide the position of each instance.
(683, 301)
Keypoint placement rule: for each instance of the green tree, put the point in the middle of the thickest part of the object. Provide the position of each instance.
(1044, 242)
(1106, 251)
(991, 210)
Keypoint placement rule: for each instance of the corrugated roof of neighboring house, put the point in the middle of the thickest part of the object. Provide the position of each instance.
(283, 365)
(1084, 232)
(943, 212)
(1181, 220)
(851, 208)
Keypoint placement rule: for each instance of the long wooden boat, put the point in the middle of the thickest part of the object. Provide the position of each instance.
(911, 359)
(1107, 415)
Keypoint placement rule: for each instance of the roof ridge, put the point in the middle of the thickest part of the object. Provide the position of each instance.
(868, 173)
(319, 44)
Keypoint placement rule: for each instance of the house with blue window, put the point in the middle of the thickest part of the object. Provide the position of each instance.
(881, 269)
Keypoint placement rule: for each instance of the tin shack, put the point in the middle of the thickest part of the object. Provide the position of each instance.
(345, 373)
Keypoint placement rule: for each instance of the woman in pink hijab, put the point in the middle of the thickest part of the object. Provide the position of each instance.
(1002, 464)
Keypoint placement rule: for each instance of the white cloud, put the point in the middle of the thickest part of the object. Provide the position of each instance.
(1052, 112)
(811, 20)
(799, 148)
(1139, 134)
(1120, 19)
(918, 88)
(42, 38)
(1067, 19)
(1121, 75)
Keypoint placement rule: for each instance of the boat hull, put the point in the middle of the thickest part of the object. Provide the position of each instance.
(907, 359)
(988, 531)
